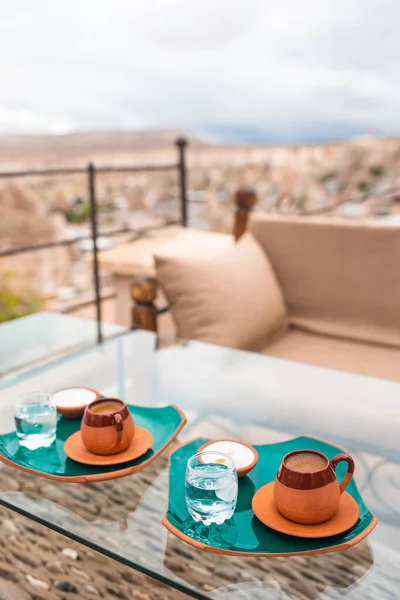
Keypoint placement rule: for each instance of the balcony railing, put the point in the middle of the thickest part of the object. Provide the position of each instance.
(91, 171)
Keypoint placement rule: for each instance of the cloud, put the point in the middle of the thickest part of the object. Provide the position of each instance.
(278, 66)
(20, 120)
(190, 25)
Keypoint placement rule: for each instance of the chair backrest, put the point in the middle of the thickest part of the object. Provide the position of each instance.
(338, 277)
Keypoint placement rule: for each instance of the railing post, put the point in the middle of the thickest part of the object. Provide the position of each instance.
(181, 144)
(93, 220)
(245, 199)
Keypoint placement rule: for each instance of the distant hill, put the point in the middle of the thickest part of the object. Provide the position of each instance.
(39, 150)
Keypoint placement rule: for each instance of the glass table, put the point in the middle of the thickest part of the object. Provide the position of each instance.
(44, 336)
(225, 394)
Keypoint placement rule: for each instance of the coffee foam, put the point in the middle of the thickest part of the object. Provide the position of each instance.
(106, 407)
(306, 462)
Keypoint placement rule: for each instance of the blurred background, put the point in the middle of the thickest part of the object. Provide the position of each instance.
(300, 103)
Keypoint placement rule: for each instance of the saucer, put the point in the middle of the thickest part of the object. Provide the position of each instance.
(75, 449)
(265, 510)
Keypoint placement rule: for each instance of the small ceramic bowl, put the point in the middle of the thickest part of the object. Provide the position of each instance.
(243, 455)
(72, 401)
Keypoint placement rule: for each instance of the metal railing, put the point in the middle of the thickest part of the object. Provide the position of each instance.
(91, 171)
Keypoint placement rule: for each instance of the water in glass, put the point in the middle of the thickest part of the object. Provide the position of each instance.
(35, 420)
(211, 487)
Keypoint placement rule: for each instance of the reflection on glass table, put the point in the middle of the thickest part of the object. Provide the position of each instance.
(232, 395)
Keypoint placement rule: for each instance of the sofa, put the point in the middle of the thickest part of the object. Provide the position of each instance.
(318, 290)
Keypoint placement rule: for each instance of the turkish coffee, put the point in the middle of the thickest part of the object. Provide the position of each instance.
(306, 462)
(108, 407)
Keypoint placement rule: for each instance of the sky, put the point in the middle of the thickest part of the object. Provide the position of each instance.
(252, 70)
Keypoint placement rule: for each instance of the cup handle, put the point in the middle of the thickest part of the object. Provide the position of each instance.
(119, 427)
(350, 469)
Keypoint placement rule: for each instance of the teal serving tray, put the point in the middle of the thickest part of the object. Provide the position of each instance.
(244, 534)
(163, 423)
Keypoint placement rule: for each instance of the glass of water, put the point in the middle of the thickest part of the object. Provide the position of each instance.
(211, 487)
(35, 420)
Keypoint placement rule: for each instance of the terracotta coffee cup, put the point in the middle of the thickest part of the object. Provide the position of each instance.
(107, 426)
(306, 489)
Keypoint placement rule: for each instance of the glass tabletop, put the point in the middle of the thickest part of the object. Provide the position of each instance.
(225, 394)
(44, 336)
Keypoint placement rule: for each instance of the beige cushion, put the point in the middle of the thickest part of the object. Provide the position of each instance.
(338, 277)
(334, 353)
(232, 300)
